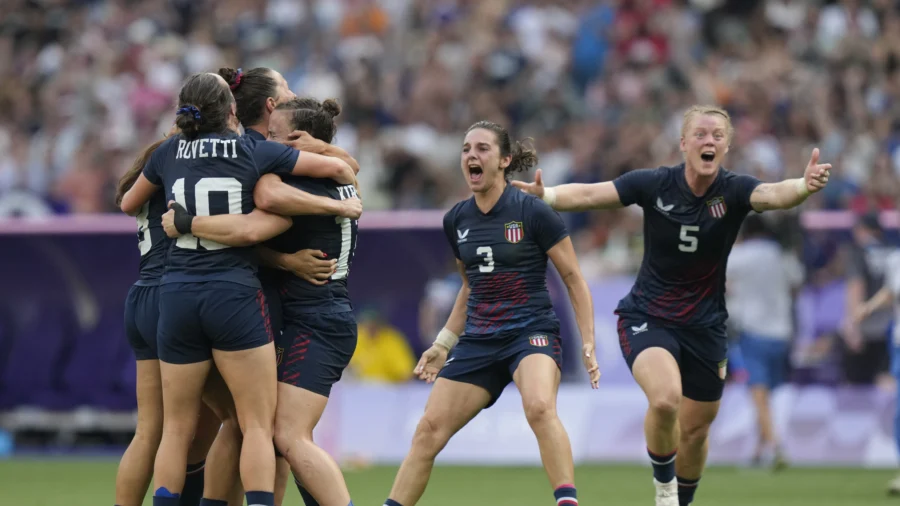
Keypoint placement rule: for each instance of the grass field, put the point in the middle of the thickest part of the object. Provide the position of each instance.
(90, 483)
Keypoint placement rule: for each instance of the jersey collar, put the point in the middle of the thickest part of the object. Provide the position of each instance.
(501, 202)
(683, 184)
(253, 134)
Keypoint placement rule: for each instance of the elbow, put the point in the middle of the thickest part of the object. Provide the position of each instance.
(128, 208)
(264, 198)
(343, 173)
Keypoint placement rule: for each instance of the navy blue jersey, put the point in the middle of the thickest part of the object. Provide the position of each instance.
(334, 235)
(214, 174)
(152, 240)
(505, 254)
(687, 240)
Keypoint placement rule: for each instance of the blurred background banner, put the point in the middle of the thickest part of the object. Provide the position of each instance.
(820, 426)
(67, 370)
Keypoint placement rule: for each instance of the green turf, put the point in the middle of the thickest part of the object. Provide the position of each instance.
(90, 483)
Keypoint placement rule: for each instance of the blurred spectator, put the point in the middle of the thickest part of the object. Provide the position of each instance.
(865, 357)
(600, 85)
(382, 352)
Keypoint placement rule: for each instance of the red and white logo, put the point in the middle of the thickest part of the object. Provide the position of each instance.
(514, 232)
(717, 207)
(539, 340)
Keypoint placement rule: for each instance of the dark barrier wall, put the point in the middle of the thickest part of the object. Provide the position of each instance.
(62, 341)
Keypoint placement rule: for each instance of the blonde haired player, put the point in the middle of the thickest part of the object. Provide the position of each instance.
(672, 323)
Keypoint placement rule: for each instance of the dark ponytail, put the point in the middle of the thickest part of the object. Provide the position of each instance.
(251, 89)
(127, 180)
(522, 153)
(188, 120)
(204, 105)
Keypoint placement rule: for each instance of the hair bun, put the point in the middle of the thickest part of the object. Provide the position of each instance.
(332, 107)
(229, 75)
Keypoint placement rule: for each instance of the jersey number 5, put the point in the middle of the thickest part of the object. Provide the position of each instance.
(229, 185)
(688, 241)
(488, 254)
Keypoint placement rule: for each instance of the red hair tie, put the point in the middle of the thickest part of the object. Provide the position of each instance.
(237, 79)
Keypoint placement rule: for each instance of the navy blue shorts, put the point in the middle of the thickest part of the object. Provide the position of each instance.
(490, 362)
(141, 320)
(195, 318)
(271, 291)
(314, 350)
(700, 353)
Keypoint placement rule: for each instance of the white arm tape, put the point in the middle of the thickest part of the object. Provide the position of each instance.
(802, 189)
(549, 196)
(446, 339)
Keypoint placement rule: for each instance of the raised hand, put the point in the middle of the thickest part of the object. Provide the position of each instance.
(816, 174)
(536, 188)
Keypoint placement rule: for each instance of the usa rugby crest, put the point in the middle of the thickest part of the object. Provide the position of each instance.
(514, 231)
(716, 207)
(539, 340)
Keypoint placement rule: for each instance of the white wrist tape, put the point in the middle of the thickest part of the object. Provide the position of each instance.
(549, 196)
(446, 339)
(802, 190)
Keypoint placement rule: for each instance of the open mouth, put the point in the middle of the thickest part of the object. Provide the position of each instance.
(708, 156)
(475, 173)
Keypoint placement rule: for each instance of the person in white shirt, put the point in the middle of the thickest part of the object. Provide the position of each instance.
(889, 292)
(762, 278)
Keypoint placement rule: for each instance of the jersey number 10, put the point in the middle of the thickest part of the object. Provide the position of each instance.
(229, 185)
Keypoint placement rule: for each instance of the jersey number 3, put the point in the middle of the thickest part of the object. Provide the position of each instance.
(229, 185)
(688, 242)
(488, 254)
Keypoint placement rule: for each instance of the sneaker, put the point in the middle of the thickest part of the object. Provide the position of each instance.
(666, 493)
(893, 487)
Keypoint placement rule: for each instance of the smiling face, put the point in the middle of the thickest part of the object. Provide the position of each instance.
(704, 141)
(480, 160)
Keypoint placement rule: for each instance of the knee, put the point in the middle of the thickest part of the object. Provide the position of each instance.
(665, 403)
(695, 434)
(538, 410)
(286, 434)
(430, 437)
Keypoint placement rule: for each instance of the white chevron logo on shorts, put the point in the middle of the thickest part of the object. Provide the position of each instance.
(638, 330)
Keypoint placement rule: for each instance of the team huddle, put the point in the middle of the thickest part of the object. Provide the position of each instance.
(241, 321)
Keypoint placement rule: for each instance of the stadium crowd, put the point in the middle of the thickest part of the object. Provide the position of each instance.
(599, 85)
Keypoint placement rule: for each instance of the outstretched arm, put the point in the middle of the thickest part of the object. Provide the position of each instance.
(573, 196)
(563, 257)
(230, 229)
(791, 192)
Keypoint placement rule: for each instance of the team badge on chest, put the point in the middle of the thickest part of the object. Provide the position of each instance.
(514, 231)
(716, 207)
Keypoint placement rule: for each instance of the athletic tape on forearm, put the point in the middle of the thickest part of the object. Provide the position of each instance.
(446, 338)
(549, 196)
